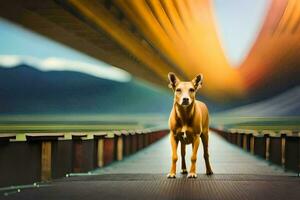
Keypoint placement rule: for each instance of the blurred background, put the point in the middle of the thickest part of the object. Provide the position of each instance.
(82, 61)
(84, 84)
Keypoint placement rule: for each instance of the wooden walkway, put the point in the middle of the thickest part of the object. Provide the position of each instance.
(238, 175)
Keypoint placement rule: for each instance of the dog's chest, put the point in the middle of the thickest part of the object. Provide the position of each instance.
(188, 139)
(185, 134)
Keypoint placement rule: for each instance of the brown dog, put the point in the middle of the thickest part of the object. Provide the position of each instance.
(188, 122)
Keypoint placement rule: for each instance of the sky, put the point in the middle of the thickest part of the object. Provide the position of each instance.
(238, 23)
(19, 45)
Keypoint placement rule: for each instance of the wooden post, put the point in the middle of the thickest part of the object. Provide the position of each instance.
(283, 151)
(244, 146)
(133, 142)
(252, 144)
(266, 134)
(267, 148)
(119, 148)
(77, 155)
(46, 161)
(125, 145)
(239, 137)
(292, 155)
(108, 149)
(100, 159)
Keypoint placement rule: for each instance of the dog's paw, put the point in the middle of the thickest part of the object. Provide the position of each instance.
(209, 173)
(192, 175)
(183, 171)
(171, 175)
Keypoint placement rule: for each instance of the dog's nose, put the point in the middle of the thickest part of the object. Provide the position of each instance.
(185, 99)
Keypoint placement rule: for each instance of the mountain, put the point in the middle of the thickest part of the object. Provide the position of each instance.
(284, 104)
(26, 90)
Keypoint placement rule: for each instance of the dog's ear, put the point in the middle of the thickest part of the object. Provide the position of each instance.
(173, 80)
(197, 81)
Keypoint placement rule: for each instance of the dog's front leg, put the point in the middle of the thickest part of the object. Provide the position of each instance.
(174, 144)
(195, 144)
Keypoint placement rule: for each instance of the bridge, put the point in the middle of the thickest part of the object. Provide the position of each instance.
(247, 164)
(102, 151)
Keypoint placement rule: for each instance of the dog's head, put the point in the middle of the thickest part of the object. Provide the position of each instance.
(184, 92)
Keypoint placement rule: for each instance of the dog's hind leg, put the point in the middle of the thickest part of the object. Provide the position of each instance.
(204, 138)
(195, 145)
(183, 166)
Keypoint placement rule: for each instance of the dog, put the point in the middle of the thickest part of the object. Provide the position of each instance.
(188, 122)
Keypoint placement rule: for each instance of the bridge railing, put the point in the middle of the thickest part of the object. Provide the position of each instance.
(279, 147)
(33, 157)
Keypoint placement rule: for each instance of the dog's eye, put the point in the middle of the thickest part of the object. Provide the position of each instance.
(178, 90)
(192, 90)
